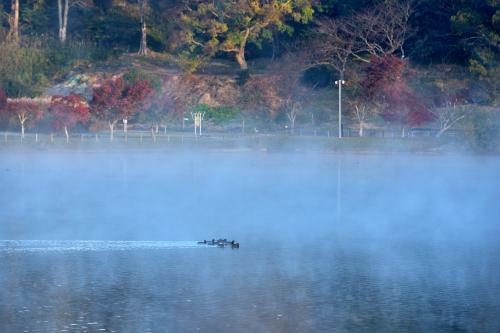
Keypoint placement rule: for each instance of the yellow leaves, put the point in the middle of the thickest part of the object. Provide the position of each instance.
(212, 44)
(286, 7)
(216, 28)
(227, 25)
(255, 5)
(307, 14)
(246, 20)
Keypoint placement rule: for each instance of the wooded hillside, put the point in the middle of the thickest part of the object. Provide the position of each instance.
(406, 63)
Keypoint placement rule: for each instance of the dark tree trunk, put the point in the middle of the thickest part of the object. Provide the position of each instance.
(14, 21)
(143, 49)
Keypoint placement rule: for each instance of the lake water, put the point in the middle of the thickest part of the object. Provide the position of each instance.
(95, 241)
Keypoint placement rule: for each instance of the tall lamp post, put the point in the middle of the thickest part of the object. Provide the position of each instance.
(340, 83)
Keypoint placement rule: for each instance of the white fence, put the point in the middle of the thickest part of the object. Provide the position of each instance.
(170, 136)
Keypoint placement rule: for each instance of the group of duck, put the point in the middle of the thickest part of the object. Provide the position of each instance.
(221, 243)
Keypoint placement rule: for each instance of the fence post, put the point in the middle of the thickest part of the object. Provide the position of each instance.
(96, 137)
(168, 138)
(153, 134)
(5, 137)
(51, 137)
(141, 137)
(36, 137)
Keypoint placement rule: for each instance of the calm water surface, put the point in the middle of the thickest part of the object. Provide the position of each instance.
(102, 242)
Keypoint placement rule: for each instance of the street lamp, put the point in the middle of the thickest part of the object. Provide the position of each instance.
(340, 83)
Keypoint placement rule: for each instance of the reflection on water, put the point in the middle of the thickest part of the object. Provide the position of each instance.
(328, 243)
(10, 246)
(277, 287)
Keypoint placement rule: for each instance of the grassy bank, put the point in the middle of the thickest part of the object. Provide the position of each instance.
(260, 142)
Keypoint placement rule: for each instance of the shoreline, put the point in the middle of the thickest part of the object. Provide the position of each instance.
(234, 143)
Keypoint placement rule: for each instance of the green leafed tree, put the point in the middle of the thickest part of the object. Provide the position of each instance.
(478, 25)
(230, 25)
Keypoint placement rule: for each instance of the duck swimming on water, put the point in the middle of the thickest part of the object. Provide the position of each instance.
(221, 243)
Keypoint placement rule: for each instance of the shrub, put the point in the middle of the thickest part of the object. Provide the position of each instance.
(217, 114)
(23, 69)
(135, 75)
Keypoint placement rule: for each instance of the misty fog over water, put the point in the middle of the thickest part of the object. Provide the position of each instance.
(106, 241)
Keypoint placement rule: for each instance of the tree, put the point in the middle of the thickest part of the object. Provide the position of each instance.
(375, 32)
(448, 115)
(333, 45)
(13, 19)
(23, 69)
(143, 49)
(62, 14)
(362, 107)
(134, 98)
(450, 105)
(27, 111)
(228, 25)
(116, 100)
(478, 25)
(290, 93)
(67, 111)
(362, 110)
(433, 40)
(106, 102)
(291, 108)
(379, 30)
(386, 84)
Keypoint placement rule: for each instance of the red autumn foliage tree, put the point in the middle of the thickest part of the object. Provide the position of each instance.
(115, 100)
(26, 111)
(68, 111)
(136, 96)
(106, 102)
(386, 83)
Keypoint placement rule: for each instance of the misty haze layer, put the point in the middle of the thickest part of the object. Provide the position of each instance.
(328, 242)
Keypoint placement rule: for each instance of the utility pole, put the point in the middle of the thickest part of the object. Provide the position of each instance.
(340, 83)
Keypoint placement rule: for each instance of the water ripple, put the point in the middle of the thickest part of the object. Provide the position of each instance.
(11, 246)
